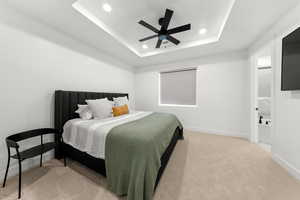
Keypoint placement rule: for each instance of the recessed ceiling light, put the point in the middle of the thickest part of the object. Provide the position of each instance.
(145, 46)
(106, 7)
(203, 31)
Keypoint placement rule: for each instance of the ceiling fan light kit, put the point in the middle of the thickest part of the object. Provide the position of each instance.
(164, 33)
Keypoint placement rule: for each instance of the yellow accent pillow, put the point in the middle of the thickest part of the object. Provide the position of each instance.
(120, 110)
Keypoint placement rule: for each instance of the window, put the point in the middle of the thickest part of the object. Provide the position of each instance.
(178, 87)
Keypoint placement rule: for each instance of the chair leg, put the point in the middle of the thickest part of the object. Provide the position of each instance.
(20, 176)
(5, 177)
(41, 160)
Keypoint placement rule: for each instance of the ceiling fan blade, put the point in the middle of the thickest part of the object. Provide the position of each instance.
(167, 19)
(148, 38)
(143, 23)
(158, 44)
(173, 40)
(179, 29)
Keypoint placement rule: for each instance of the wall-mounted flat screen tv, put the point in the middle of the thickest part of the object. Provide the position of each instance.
(290, 73)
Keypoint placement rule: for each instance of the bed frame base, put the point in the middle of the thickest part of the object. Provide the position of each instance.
(98, 164)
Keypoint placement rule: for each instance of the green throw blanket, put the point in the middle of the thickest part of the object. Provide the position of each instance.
(133, 151)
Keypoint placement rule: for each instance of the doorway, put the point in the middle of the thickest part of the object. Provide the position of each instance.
(264, 101)
(262, 98)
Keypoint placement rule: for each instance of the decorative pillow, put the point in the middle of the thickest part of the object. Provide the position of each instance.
(121, 101)
(101, 108)
(120, 110)
(84, 112)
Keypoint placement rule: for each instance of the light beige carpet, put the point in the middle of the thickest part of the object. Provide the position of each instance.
(205, 167)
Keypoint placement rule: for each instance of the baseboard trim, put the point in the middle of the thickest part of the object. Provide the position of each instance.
(292, 170)
(219, 132)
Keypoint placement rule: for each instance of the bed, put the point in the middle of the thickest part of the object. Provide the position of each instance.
(65, 106)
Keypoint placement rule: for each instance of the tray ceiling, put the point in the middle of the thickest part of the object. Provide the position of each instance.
(120, 19)
(248, 21)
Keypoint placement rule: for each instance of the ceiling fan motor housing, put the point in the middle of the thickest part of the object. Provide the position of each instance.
(162, 34)
(161, 21)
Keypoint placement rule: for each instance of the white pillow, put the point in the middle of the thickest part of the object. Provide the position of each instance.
(101, 108)
(84, 112)
(121, 101)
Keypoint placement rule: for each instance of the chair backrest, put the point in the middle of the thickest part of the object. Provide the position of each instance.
(31, 133)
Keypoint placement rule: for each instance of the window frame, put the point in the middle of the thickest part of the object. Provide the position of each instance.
(178, 105)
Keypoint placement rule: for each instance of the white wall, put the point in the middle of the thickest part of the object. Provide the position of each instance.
(286, 134)
(32, 68)
(222, 97)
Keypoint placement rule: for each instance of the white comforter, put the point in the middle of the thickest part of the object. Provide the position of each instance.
(89, 135)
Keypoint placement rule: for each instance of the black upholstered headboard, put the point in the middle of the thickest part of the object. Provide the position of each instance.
(66, 105)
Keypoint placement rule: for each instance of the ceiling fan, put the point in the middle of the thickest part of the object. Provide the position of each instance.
(164, 33)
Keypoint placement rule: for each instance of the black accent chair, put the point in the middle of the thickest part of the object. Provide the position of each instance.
(12, 142)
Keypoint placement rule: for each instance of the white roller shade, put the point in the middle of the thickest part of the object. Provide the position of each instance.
(178, 87)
